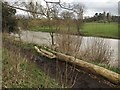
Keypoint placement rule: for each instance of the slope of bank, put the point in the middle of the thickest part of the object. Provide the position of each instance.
(57, 68)
(20, 72)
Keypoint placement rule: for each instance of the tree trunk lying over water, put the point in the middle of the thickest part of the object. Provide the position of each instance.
(110, 75)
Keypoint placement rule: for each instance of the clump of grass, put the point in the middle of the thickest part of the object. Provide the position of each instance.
(18, 72)
(96, 50)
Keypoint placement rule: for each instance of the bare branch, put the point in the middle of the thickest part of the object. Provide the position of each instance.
(26, 10)
(59, 3)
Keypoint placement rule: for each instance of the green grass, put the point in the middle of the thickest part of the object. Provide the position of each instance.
(101, 29)
(109, 30)
(42, 29)
(18, 72)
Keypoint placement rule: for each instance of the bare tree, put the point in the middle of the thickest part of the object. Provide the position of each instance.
(32, 6)
(49, 17)
(108, 17)
(66, 43)
(79, 8)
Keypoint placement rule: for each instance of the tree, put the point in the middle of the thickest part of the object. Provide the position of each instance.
(36, 9)
(55, 20)
(104, 16)
(9, 21)
(32, 6)
(66, 15)
(96, 16)
(78, 8)
(100, 16)
(108, 17)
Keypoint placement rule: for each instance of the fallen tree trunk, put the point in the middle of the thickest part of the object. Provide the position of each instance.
(45, 53)
(110, 75)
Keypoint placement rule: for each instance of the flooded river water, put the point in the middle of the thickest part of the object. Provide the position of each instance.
(43, 38)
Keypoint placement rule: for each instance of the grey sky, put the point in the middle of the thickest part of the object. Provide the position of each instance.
(91, 6)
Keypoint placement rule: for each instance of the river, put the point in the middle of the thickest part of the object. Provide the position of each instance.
(43, 38)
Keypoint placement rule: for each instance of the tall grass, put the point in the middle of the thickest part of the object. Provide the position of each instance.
(96, 50)
(19, 72)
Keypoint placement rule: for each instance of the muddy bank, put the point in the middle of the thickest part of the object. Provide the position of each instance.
(65, 73)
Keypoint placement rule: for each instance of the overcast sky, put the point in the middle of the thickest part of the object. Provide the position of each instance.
(91, 6)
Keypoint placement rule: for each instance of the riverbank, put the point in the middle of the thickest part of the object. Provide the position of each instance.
(19, 71)
(57, 69)
(42, 38)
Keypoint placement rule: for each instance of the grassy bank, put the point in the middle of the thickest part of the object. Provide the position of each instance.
(19, 72)
(30, 48)
(108, 30)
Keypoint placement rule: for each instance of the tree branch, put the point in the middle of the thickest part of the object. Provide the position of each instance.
(26, 10)
(59, 3)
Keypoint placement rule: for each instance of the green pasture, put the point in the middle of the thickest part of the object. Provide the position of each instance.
(109, 30)
(101, 29)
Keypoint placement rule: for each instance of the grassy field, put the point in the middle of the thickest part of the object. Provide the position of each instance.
(101, 29)
(109, 30)
(18, 72)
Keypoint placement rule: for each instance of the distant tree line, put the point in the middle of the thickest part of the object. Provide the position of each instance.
(102, 18)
